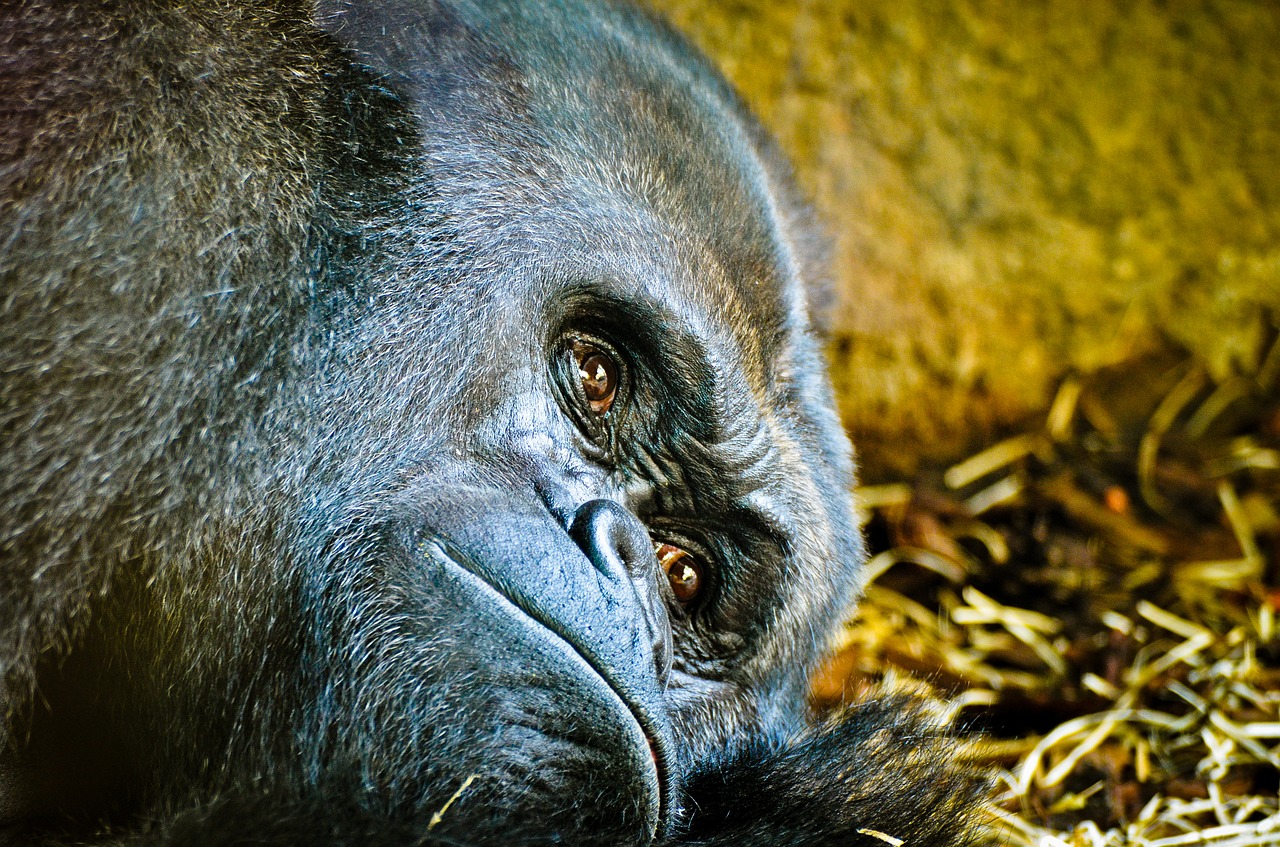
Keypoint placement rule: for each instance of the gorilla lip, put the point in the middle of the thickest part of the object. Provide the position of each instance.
(444, 551)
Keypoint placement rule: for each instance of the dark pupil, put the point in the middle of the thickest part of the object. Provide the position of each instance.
(684, 580)
(597, 376)
(682, 571)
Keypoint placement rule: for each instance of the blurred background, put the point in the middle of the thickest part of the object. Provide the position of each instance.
(1017, 191)
(1056, 240)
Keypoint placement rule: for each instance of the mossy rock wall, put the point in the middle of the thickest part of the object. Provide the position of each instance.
(1018, 190)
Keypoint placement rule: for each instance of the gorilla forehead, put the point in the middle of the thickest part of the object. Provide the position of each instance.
(593, 148)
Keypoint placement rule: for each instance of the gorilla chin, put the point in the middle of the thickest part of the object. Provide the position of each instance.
(414, 430)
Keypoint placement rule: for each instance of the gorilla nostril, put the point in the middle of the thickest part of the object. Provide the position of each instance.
(612, 537)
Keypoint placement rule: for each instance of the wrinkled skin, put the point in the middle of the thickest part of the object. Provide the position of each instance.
(312, 531)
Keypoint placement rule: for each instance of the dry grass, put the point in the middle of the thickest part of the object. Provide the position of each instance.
(1098, 597)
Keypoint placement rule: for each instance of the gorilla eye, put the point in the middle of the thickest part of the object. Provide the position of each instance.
(684, 572)
(599, 375)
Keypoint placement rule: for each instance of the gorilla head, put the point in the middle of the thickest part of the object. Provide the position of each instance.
(415, 432)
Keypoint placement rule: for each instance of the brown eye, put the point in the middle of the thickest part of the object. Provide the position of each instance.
(599, 375)
(683, 571)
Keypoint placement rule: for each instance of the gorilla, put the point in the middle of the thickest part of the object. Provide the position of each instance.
(415, 431)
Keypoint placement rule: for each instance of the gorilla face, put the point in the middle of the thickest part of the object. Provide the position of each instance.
(621, 363)
(415, 431)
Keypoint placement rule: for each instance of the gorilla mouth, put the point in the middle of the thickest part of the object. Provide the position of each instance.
(577, 652)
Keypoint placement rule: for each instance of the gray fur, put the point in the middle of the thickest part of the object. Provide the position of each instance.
(292, 490)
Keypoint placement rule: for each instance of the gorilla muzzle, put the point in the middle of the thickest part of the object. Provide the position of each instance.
(578, 594)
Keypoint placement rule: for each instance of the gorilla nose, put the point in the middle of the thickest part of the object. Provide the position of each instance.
(613, 538)
(617, 543)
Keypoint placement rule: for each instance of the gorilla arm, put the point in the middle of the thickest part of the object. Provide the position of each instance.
(876, 773)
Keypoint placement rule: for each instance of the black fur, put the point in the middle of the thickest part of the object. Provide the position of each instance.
(308, 534)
